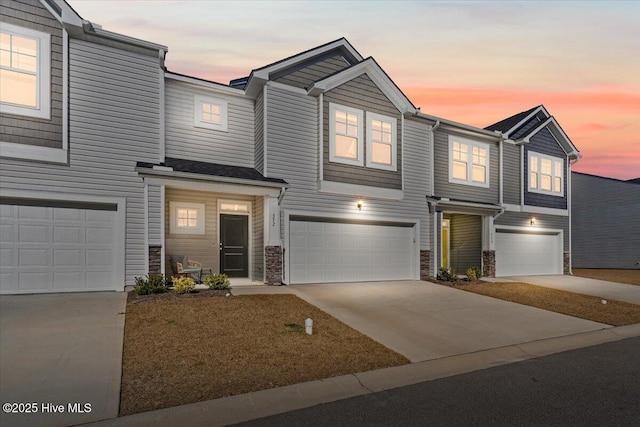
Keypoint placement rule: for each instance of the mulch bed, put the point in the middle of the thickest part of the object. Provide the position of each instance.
(181, 349)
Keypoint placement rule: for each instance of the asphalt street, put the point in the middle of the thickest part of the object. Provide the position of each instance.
(593, 386)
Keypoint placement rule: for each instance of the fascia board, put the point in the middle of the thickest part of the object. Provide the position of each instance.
(67, 15)
(219, 87)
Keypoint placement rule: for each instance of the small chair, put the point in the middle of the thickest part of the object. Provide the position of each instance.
(193, 267)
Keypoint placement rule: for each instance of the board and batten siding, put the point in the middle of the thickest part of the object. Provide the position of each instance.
(465, 249)
(304, 75)
(30, 130)
(293, 156)
(471, 193)
(363, 94)
(605, 222)
(185, 141)
(258, 109)
(544, 143)
(511, 174)
(114, 122)
(523, 219)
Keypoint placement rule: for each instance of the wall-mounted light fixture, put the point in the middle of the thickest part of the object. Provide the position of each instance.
(532, 221)
(359, 204)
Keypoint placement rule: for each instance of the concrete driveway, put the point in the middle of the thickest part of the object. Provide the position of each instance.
(61, 349)
(582, 285)
(425, 321)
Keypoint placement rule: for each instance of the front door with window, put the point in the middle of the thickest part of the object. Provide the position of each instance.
(234, 245)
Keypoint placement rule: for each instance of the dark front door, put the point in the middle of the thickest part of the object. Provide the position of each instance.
(234, 245)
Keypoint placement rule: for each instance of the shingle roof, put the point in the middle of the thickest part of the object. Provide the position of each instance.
(509, 122)
(212, 169)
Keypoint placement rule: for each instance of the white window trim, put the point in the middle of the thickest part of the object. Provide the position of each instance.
(470, 143)
(553, 159)
(43, 107)
(224, 113)
(332, 135)
(173, 223)
(394, 142)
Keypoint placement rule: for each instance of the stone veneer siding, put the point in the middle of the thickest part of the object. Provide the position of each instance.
(425, 264)
(155, 259)
(273, 265)
(489, 263)
(566, 263)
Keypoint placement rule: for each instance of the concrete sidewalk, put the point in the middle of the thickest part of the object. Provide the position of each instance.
(236, 409)
(580, 285)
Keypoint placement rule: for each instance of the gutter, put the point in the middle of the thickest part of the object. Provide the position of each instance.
(90, 27)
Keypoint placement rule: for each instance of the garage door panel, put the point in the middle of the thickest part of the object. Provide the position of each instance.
(33, 233)
(34, 213)
(34, 281)
(67, 234)
(65, 214)
(348, 252)
(67, 258)
(528, 253)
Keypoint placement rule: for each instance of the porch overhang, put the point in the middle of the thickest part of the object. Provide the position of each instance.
(439, 204)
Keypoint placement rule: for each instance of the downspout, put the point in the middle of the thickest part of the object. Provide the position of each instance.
(569, 208)
(432, 186)
(433, 203)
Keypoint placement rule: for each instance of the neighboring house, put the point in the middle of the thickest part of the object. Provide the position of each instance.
(605, 222)
(315, 168)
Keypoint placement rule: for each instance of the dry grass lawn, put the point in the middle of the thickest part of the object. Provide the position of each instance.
(588, 307)
(630, 277)
(184, 350)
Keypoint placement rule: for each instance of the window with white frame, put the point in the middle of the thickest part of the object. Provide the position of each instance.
(382, 142)
(25, 72)
(210, 113)
(546, 174)
(186, 218)
(468, 162)
(346, 144)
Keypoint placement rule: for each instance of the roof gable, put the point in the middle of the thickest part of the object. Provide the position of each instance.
(514, 122)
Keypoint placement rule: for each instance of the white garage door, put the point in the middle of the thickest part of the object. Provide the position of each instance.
(322, 252)
(57, 249)
(520, 254)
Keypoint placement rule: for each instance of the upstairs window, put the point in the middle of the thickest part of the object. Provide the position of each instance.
(381, 142)
(345, 135)
(210, 113)
(25, 72)
(186, 218)
(468, 162)
(546, 174)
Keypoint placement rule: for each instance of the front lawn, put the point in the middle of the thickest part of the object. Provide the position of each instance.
(615, 313)
(185, 349)
(630, 277)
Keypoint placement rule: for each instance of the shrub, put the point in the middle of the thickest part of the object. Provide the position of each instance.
(218, 281)
(474, 273)
(447, 274)
(152, 284)
(183, 284)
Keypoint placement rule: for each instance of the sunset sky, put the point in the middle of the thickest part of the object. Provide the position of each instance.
(475, 62)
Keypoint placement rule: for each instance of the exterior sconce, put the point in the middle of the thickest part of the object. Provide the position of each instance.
(532, 221)
(359, 204)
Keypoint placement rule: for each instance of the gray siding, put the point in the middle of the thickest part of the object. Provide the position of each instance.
(259, 132)
(363, 94)
(258, 238)
(523, 219)
(444, 188)
(605, 221)
(302, 76)
(28, 130)
(466, 242)
(114, 122)
(512, 175)
(155, 214)
(185, 141)
(293, 156)
(544, 143)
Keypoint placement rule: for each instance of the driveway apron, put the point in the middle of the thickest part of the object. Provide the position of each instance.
(425, 321)
(61, 352)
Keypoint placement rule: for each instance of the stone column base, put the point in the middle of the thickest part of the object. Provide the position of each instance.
(566, 263)
(489, 263)
(273, 265)
(155, 259)
(425, 265)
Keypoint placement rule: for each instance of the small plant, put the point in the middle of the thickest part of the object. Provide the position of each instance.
(218, 281)
(152, 284)
(447, 275)
(474, 273)
(183, 284)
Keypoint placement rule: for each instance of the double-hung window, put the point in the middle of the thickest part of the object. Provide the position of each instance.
(546, 174)
(186, 218)
(346, 144)
(468, 162)
(210, 113)
(381, 142)
(25, 72)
